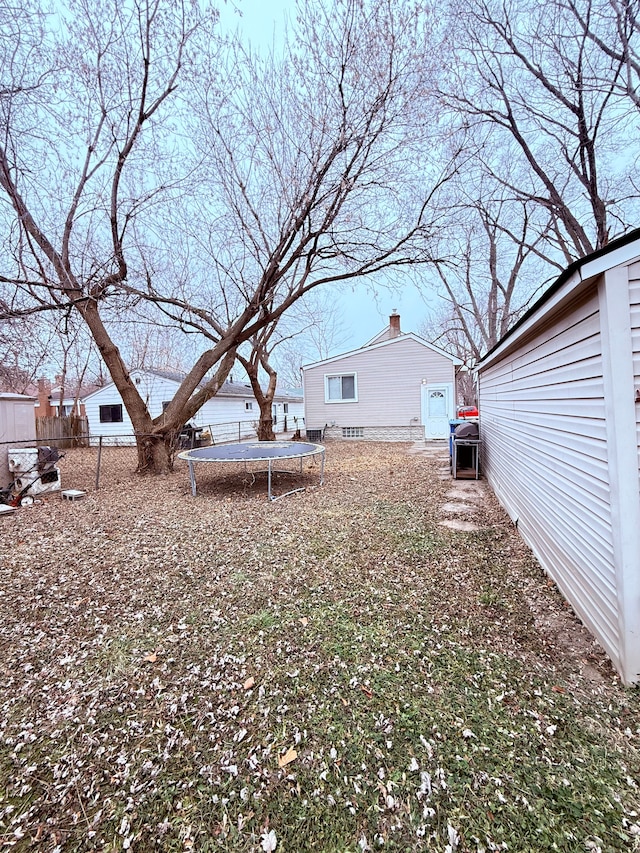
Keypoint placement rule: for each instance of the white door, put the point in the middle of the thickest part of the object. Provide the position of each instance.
(437, 410)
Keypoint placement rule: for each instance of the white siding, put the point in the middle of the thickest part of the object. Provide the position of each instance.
(389, 379)
(634, 305)
(221, 410)
(155, 390)
(544, 433)
(107, 396)
(294, 416)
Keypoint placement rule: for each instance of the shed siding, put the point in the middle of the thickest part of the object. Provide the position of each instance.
(634, 306)
(543, 423)
(389, 378)
(17, 424)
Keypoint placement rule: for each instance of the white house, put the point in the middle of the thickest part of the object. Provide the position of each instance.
(559, 400)
(231, 414)
(397, 387)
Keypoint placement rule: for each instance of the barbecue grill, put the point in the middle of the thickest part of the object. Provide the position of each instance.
(465, 454)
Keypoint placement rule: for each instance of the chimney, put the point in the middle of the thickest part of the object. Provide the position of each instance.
(44, 389)
(394, 324)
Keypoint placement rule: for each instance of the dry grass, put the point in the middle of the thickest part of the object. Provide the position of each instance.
(332, 672)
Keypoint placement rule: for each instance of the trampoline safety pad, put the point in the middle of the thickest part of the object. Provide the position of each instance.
(255, 451)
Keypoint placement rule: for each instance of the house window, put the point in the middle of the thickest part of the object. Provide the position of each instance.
(248, 406)
(353, 432)
(285, 407)
(341, 388)
(111, 414)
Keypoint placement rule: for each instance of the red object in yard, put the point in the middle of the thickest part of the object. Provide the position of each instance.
(468, 412)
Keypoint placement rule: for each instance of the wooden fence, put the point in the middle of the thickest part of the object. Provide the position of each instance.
(64, 432)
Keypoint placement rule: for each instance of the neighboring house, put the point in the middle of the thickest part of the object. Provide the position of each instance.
(72, 403)
(397, 387)
(233, 406)
(48, 398)
(559, 401)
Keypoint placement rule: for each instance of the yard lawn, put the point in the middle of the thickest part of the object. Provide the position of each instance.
(336, 671)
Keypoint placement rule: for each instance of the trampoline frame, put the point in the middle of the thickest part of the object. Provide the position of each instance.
(255, 451)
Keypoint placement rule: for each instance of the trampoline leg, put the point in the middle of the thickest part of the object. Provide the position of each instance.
(269, 481)
(192, 478)
(322, 468)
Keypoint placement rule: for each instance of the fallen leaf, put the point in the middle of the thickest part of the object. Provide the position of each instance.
(557, 689)
(289, 756)
(366, 690)
(304, 621)
(152, 658)
(249, 683)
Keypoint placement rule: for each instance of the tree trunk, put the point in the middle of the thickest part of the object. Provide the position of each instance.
(156, 452)
(264, 398)
(265, 425)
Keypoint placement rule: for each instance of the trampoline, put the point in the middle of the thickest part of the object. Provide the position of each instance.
(255, 451)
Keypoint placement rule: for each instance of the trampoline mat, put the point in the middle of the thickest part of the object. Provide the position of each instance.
(255, 451)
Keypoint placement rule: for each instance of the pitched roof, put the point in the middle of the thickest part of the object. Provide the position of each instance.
(386, 343)
(227, 389)
(73, 390)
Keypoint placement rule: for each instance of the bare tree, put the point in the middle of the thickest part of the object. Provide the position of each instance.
(24, 348)
(541, 106)
(488, 279)
(68, 147)
(309, 330)
(305, 153)
(614, 28)
(313, 329)
(259, 358)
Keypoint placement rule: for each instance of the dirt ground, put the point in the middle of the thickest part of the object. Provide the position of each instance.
(105, 596)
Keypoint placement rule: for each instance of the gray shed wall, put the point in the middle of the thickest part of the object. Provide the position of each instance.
(17, 423)
(543, 424)
(561, 436)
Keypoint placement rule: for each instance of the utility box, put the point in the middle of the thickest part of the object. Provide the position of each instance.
(22, 460)
(34, 469)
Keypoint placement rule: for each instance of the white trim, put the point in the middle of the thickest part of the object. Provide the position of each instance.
(622, 449)
(367, 348)
(120, 406)
(328, 376)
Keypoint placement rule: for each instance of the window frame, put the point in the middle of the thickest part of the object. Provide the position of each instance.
(111, 420)
(328, 376)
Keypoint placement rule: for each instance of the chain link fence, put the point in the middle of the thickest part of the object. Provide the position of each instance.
(89, 461)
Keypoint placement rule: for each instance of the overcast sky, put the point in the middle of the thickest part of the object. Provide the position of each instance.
(365, 312)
